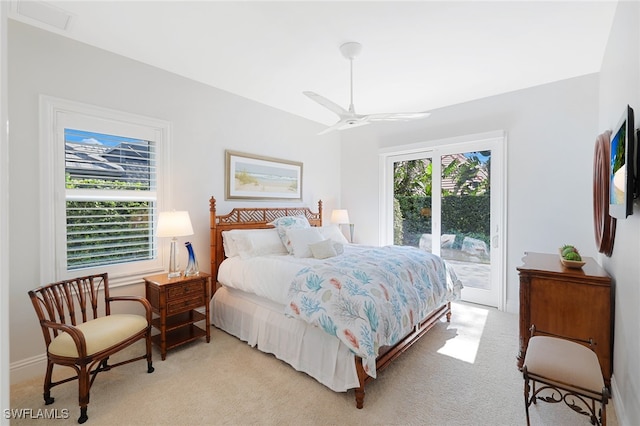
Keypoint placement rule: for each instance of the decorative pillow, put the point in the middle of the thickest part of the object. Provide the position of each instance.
(248, 243)
(333, 232)
(300, 240)
(323, 249)
(282, 224)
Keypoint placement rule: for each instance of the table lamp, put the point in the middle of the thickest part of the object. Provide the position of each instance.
(174, 224)
(341, 217)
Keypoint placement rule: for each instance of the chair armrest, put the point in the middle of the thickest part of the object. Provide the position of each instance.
(74, 332)
(144, 301)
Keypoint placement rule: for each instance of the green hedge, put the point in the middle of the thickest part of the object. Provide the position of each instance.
(463, 215)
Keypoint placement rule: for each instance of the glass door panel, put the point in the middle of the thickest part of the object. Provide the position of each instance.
(412, 203)
(466, 220)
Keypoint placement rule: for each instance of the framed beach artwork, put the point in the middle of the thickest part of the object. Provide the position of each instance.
(253, 177)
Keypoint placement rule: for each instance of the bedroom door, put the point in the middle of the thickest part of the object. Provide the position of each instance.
(448, 200)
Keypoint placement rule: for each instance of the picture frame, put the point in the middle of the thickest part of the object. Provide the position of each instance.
(256, 177)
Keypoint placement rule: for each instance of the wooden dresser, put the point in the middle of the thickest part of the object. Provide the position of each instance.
(573, 303)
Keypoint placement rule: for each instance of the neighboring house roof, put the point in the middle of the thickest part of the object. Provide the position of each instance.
(449, 183)
(125, 161)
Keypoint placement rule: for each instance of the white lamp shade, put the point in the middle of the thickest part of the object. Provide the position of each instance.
(174, 224)
(340, 216)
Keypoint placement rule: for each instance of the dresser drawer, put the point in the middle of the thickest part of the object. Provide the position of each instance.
(177, 306)
(182, 290)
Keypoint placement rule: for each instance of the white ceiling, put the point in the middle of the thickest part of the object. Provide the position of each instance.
(417, 56)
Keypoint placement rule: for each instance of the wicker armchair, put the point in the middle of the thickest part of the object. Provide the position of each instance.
(80, 332)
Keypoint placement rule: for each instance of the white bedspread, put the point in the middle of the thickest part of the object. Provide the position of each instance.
(266, 276)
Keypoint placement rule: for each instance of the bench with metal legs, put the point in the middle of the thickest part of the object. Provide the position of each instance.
(565, 371)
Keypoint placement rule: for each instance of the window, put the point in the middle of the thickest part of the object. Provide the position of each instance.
(110, 199)
(103, 172)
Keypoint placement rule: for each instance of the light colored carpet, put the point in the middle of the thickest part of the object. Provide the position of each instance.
(461, 373)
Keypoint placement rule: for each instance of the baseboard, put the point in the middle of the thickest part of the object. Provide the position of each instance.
(617, 402)
(513, 306)
(28, 368)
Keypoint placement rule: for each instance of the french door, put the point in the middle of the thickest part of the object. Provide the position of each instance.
(448, 199)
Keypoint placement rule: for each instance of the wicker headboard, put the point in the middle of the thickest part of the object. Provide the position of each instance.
(249, 218)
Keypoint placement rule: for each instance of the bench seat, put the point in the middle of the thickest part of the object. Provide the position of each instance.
(569, 372)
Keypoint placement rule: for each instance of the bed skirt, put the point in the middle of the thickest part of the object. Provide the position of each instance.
(262, 324)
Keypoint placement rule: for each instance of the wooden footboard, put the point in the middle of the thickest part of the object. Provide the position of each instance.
(388, 354)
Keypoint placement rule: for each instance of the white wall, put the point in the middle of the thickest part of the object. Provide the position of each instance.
(205, 122)
(4, 214)
(551, 132)
(619, 86)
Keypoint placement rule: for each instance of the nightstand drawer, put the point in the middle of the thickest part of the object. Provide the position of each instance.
(184, 289)
(176, 306)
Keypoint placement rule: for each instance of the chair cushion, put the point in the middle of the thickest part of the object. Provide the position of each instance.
(565, 361)
(99, 334)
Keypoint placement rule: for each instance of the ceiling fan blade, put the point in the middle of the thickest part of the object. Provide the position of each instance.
(398, 116)
(351, 124)
(333, 127)
(346, 124)
(327, 103)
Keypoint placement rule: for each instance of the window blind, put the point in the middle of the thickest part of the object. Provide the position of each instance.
(110, 199)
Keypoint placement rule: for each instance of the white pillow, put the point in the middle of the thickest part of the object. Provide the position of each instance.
(323, 249)
(300, 240)
(248, 243)
(333, 232)
(229, 245)
(282, 224)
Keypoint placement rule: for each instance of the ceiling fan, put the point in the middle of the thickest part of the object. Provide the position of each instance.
(349, 118)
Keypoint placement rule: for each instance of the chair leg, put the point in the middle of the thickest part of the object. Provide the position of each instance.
(83, 415)
(526, 398)
(150, 368)
(47, 384)
(84, 384)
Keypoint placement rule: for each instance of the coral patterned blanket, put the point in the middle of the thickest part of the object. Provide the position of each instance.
(372, 297)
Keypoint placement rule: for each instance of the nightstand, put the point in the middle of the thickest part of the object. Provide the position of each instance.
(174, 301)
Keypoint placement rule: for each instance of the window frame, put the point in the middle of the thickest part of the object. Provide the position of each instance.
(57, 114)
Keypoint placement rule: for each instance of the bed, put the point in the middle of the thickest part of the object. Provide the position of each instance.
(271, 291)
